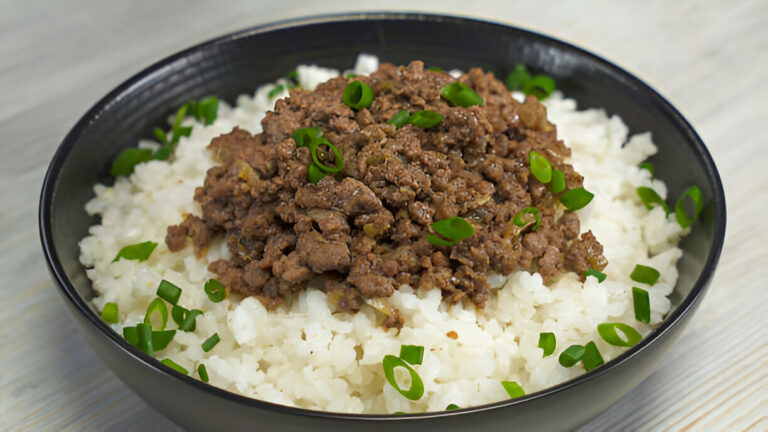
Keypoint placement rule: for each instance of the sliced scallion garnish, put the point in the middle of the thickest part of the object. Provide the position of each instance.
(435, 69)
(139, 251)
(522, 219)
(517, 77)
(202, 372)
(131, 334)
(642, 304)
(168, 292)
(188, 325)
(591, 358)
(650, 198)
(645, 274)
(215, 291)
(459, 94)
(610, 332)
(276, 91)
(109, 313)
(416, 391)
(513, 389)
(206, 110)
(425, 119)
(157, 307)
(400, 119)
(178, 313)
(540, 167)
(540, 86)
(592, 272)
(175, 366)
(571, 355)
(357, 95)
(694, 193)
(128, 159)
(558, 181)
(413, 354)
(451, 407)
(314, 174)
(161, 339)
(145, 339)
(452, 230)
(576, 199)
(319, 150)
(548, 343)
(210, 342)
(648, 167)
(306, 136)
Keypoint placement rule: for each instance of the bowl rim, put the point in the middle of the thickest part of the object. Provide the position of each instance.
(156, 70)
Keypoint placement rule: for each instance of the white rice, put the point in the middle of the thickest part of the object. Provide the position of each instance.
(305, 355)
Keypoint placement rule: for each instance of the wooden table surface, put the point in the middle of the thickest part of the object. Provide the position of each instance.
(710, 59)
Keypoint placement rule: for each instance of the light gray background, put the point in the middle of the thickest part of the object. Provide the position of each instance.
(710, 59)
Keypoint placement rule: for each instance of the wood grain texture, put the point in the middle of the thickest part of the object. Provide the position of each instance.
(709, 58)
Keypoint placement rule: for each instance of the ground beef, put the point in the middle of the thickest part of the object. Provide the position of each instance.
(363, 230)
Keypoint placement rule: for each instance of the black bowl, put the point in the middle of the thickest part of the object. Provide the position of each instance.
(238, 63)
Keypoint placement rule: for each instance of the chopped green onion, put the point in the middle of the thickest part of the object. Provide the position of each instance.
(357, 95)
(276, 91)
(592, 272)
(109, 313)
(425, 119)
(178, 314)
(540, 86)
(649, 197)
(540, 167)
(306, 136)
(161, 339)
(173, 365)
(451, 407)
(177, 131)
(157, 306)
(435, 69)
(188, 325)
(558, 181)
(215, 291)
(576, 199)
(314, 174)
(206, 110)
(517, 77)
(210, 342)
(138, 251)
(694, 193)
(610, 333)
(168, 292)
(571, 355)
(519, 221)
(145, 339)
(416, 391)
(160, 135)
(203, 373)
(400, 119)
(164, 152)
(645, 274)
(547, 342)
(350, 75)
(293, 75)
(649, 167)
(591, 358)
(513, 389)
(453, 229)
(131, 334)
(413, 354)
(642, 304)
(128, 159)
(314, 149)
(458, 94)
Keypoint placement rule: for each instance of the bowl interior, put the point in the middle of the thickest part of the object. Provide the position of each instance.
(241, 62)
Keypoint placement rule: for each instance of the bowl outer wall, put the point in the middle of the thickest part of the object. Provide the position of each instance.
(232, 65)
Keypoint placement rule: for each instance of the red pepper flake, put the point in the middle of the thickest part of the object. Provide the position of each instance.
(452, 334)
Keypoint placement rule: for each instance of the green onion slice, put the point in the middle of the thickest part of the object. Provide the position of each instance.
(168, 292)
(109, 313)
(350, 75)
(592, 272)
(571, 355)
(517, 77)
(319, 154)
(650, 198)
(208, 110)
(293, 75)
(160, 135)
(425, 119)
(547, 342)
(694, 193)
(642, 304)
(131, 334)
(649, 167)
(416, 391)
(458, 94)
(177, 131)
(540, 167)
(451, 407)
(175, 366)
(276, 91)
(128, 159)
(558, 181)
(178, 314)
(453, 229)
(413, 354)
(138, 251)
(306, 136)
(210, 342)
(513, 389)
(645, 274)
(522, 220)
(540, 86)
(357, 95)
(576, 199)
(435, 69)
(314, 174)
(619, 334)
(161, 339)
(591, 358)
(188, 325)
(145, 339)
(215, 290)
(157, 307)
(436, 240)
(400, 119)
(203, 373)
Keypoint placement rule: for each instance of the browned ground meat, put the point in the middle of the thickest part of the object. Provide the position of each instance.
(364, 229)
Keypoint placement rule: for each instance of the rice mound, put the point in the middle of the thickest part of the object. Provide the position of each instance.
(303, 354)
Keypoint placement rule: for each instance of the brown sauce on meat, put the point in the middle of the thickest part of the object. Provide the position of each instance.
(364, 230)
